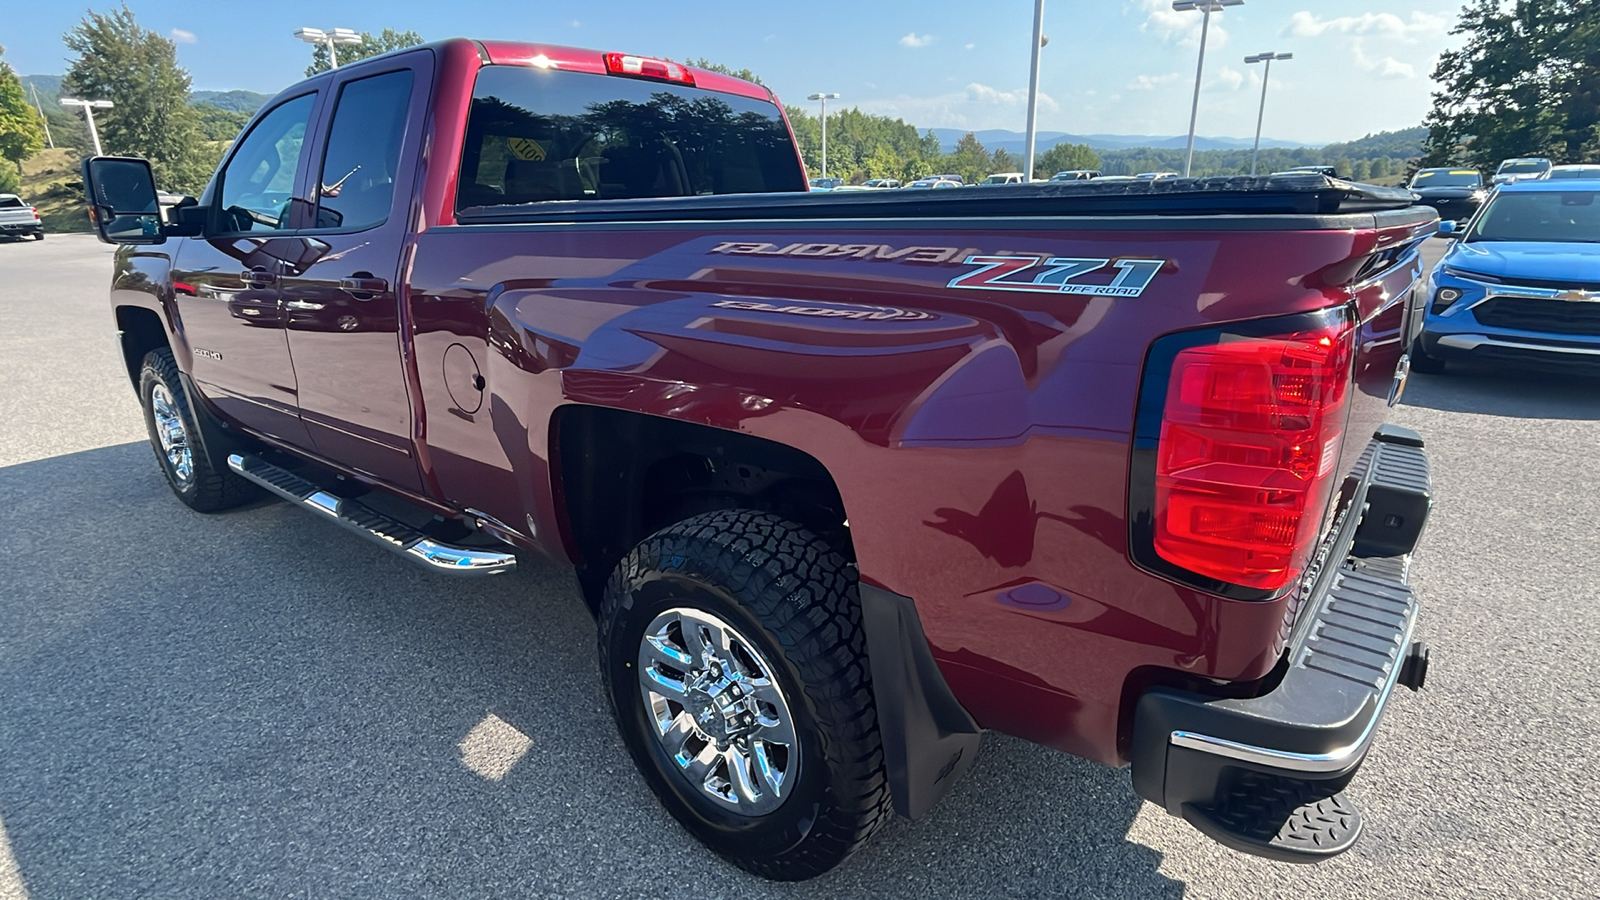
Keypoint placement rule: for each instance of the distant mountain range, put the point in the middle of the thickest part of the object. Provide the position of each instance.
(1012, 141)
(49, 87)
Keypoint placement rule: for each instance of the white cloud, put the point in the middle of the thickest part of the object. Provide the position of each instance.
(576, 24)
(977, 107)
(1389, 25)
(181, 36)
(1385, 67)
(1151, 82)
(1183, 28)
(916, 40)
(970, 46)
(1228, 78)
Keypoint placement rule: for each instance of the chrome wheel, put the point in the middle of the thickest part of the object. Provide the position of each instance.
(717, 710)
(174, 437)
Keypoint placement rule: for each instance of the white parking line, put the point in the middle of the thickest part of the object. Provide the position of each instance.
(10, 876)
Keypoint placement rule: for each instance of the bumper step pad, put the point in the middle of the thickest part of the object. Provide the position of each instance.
(1279, 818)
(388, 533)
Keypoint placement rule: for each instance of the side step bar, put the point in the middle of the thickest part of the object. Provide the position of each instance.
(375, 526)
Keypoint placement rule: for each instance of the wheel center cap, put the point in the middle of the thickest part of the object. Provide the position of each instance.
(708, 716)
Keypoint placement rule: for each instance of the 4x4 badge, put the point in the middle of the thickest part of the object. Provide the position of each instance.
(1058, 275)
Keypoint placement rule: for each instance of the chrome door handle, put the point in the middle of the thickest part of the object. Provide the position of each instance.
(358, 284)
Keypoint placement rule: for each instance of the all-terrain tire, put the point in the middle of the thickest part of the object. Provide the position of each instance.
(794, 598)
(201, 486)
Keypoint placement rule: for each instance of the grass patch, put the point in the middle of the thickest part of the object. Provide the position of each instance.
(52, 183)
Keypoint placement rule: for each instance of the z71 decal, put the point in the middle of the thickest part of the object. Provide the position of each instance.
(1059, 275)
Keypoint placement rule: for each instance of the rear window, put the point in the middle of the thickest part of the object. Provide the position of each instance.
(539, 134)
(11, 203)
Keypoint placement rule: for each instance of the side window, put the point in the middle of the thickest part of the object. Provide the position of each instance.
(358, 168)
(259, 181)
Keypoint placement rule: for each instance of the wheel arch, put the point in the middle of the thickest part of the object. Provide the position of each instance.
(139, 332)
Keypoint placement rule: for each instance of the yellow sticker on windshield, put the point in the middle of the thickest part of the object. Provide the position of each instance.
(526, 148)
(1463, 171)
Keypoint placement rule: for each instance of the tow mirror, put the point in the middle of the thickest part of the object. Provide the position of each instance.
(122, 200)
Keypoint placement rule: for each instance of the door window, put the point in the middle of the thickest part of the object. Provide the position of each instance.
(258, 182)
(358, 168)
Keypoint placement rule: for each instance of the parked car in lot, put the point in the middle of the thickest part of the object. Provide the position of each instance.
(1524, 169)
(1575, 172)
(1521, 283)
(844, 481)
(19, 218)
(936, 182)
(881, 183)
(1076, 175)
(1004, 178)
(1154, 176)
(1456, 193)
(826, 184)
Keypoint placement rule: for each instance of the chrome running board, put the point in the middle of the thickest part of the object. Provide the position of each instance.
(383, 530)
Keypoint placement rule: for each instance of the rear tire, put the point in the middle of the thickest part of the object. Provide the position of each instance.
(38, 235)
(742, 599)
(177, 440)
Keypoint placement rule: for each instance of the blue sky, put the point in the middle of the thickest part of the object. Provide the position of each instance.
(1111, 67)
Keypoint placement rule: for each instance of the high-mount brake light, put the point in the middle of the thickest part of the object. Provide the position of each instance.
(648, 67)
(1249, 446)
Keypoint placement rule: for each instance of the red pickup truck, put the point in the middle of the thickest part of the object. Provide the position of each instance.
(846, 479)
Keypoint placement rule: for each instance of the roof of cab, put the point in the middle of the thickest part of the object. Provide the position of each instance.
(577, 59)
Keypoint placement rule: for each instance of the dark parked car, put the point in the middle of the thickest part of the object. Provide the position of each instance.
(1455, 193)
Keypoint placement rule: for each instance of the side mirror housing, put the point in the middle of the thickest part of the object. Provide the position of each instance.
(1449, 229)
(122, 200)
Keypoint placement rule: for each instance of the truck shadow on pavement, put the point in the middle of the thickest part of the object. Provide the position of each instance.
(258, 704)
(1503, 391)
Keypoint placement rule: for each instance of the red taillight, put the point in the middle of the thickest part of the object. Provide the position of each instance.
(647, 67)
(1249, 444)
(34, 211)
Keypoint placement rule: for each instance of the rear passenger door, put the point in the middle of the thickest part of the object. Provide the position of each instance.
(342, 311)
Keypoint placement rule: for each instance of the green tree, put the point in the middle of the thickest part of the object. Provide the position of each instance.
(969, 160)
(21, 135)
(1063, 157)
(746, 74)
(218, 124)
(1002, 162)
(1525, 82)
(371, 45)
(137, 69)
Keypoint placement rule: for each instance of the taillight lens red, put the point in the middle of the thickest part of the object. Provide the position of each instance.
(1249, 446)
(648, 67)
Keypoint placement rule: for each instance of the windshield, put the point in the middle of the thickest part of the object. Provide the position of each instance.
(1522, 168)
(1447, 178)
(1543, 216)
(1586, 172)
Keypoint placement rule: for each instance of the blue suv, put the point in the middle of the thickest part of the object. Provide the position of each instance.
(1522, 282)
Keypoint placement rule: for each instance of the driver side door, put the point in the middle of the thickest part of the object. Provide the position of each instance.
(226, 284)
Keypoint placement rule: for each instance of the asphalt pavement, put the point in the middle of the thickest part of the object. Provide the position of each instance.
(255, 704)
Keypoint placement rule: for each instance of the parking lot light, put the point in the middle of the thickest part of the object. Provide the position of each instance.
(1267, 58)
(89, 106)
(1039, 41)
(1206, 7)
(824, 98)
(329, 39)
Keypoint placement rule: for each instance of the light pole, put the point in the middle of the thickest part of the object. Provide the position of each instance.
(1266, 58)
(89, 106)
(1206, 7)
(1033, 89)
(328, 39)
(42, 120)
(824, 98)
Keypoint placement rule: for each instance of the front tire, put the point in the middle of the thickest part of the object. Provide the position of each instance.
(732, 651)
(177, 440)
